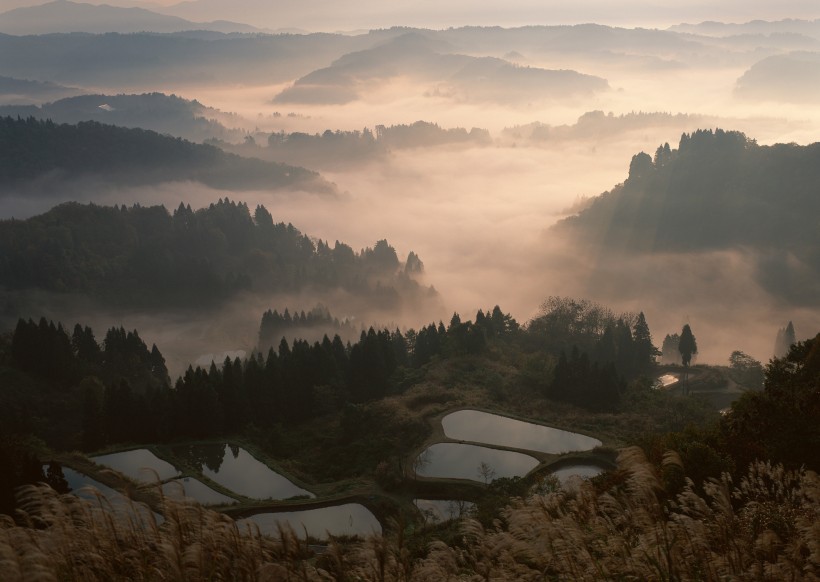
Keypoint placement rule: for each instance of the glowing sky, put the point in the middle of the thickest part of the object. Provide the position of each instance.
(353, 14)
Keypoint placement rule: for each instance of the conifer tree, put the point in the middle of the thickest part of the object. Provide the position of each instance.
(645, 351)
(687, 345)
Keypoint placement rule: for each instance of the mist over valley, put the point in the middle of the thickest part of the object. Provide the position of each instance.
(290, 247)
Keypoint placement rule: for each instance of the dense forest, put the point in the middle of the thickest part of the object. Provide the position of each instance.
(719, 190)
(316, 322)
(31, 148)
(337, 148)
(146, 256)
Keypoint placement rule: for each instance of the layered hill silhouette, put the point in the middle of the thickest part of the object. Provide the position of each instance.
(475, 63)
(448, 74)
(789, 78)
(62, 16)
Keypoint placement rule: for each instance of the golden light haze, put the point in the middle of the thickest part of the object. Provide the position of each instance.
(479, 216)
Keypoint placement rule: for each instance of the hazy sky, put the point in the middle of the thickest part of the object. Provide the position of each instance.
(347, 14)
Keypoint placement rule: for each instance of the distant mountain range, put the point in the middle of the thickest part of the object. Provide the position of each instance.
(810, 28)
(63, 16)
(475, 64)
(357, 14)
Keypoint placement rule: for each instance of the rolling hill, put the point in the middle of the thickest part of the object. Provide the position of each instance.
(32, 150)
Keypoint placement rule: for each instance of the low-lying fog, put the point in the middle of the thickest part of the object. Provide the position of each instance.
(479, 217)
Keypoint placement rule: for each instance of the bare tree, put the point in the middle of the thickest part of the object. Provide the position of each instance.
(486, 472)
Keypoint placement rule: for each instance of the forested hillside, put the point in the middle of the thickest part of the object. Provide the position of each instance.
(335, 150)
(418, 134)
(149, 257)
(31, 149)
(719, 190)
(165, 114)
(296, 380)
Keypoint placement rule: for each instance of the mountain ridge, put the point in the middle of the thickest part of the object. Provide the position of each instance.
(65, 16)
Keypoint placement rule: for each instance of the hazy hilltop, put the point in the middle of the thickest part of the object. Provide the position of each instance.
(64, 16)
(14, 91)
(167, 114)
(597, 125)
(602, 41)
(790, 78)
(789, 26)
(443, 72)
(38, 155)
(790, 49)
(718, 191)
(348, 149)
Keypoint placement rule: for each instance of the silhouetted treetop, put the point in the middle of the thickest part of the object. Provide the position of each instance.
(785, 339)
(317, 321)
(687, 346)
(148, 256)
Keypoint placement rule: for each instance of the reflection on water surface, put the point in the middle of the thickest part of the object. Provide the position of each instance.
(348, 519)
(492, 429)
(462, 461)
(236, 469)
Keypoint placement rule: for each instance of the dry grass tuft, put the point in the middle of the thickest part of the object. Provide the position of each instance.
(766, 527)
(68, 539)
